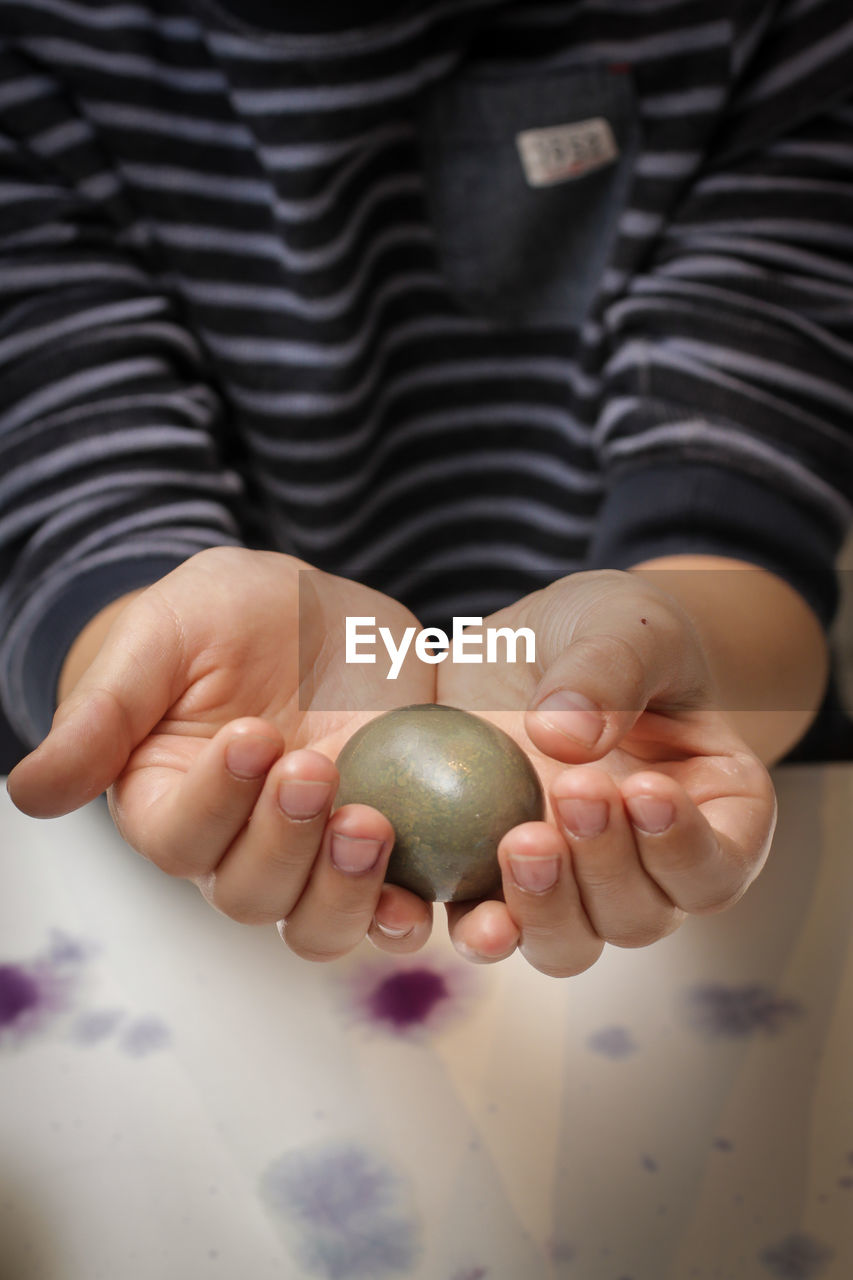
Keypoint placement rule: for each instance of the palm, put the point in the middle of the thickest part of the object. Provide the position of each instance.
(686, 745)
(252, 645)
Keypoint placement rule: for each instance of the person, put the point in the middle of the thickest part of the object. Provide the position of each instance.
(535, 313)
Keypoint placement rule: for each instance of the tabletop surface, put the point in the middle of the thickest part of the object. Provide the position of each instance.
(183, 1098)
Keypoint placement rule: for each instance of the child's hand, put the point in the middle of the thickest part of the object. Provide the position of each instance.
(674, 817)
(190, 715)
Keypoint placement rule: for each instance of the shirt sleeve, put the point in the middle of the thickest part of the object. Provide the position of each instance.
(111, 451)
(727, 427)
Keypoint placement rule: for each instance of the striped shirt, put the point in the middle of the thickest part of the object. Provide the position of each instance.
(471, 294)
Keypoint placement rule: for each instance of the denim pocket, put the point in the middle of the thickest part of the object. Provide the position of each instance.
(526, 176)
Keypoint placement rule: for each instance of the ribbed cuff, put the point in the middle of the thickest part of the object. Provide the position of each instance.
(685, 508)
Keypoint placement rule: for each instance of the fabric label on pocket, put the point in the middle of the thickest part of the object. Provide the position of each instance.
(566, 151)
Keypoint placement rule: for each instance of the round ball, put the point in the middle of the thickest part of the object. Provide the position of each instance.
(451, 785)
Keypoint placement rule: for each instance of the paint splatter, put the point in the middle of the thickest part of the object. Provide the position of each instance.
(613, 1042)
(145, 1035)
(33, 994)
(46, 993)
(797, 1257)
(93, 1026)
(734, 1013)
(19, 993)
(562, 1251)
(407, 1000)
(350, 1211)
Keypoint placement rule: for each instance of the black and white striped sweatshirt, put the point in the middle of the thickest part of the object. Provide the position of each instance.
(441, 295)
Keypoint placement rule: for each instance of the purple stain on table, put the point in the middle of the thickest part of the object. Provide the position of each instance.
(350, 1210)
(31, 997)
(734, 1013)
(65, 950)
(612, 1042)
(562, 1251)
(92, 1026)
(34, 993)
(145, 1035)
(798, 1257)
(406, 999)
(19, 993)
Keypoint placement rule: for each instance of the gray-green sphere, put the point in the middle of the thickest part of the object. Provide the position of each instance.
(451, 784)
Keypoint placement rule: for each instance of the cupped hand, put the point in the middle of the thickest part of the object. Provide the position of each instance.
(657, 808)
(212, 718)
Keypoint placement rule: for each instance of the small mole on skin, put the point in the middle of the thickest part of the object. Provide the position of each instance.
(408, 997)
(19, 992)
(645, 621)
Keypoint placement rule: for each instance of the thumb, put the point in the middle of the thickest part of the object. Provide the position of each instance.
(613, 646)
(121, 696)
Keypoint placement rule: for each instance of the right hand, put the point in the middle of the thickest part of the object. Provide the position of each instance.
(217, 757)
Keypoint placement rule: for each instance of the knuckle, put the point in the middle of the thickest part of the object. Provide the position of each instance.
(546, 950)
(638, 935)
(613, 659)
(718, 902)
(239, 908)
(178, 862)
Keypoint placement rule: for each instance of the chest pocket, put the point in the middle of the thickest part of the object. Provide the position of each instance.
(526, 176)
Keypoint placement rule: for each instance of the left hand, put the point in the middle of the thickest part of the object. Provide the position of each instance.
(674, 817)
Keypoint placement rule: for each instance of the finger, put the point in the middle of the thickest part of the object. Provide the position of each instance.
(625, 905)
(339, 901)
(124, 692)
(702, 857)
(612, 649)
(482, 932)
(542, 914)
(263, 873)
(402, 922)
(186, 826)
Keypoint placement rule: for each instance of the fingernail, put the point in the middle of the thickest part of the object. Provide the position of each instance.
(573, 715)
(301, 798)
(650, 815)
(535, 875)
(353, 853)
(392, 933)
(249, 756)
(583, 818)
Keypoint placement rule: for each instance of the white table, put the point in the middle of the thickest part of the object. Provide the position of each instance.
(182, 1098)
